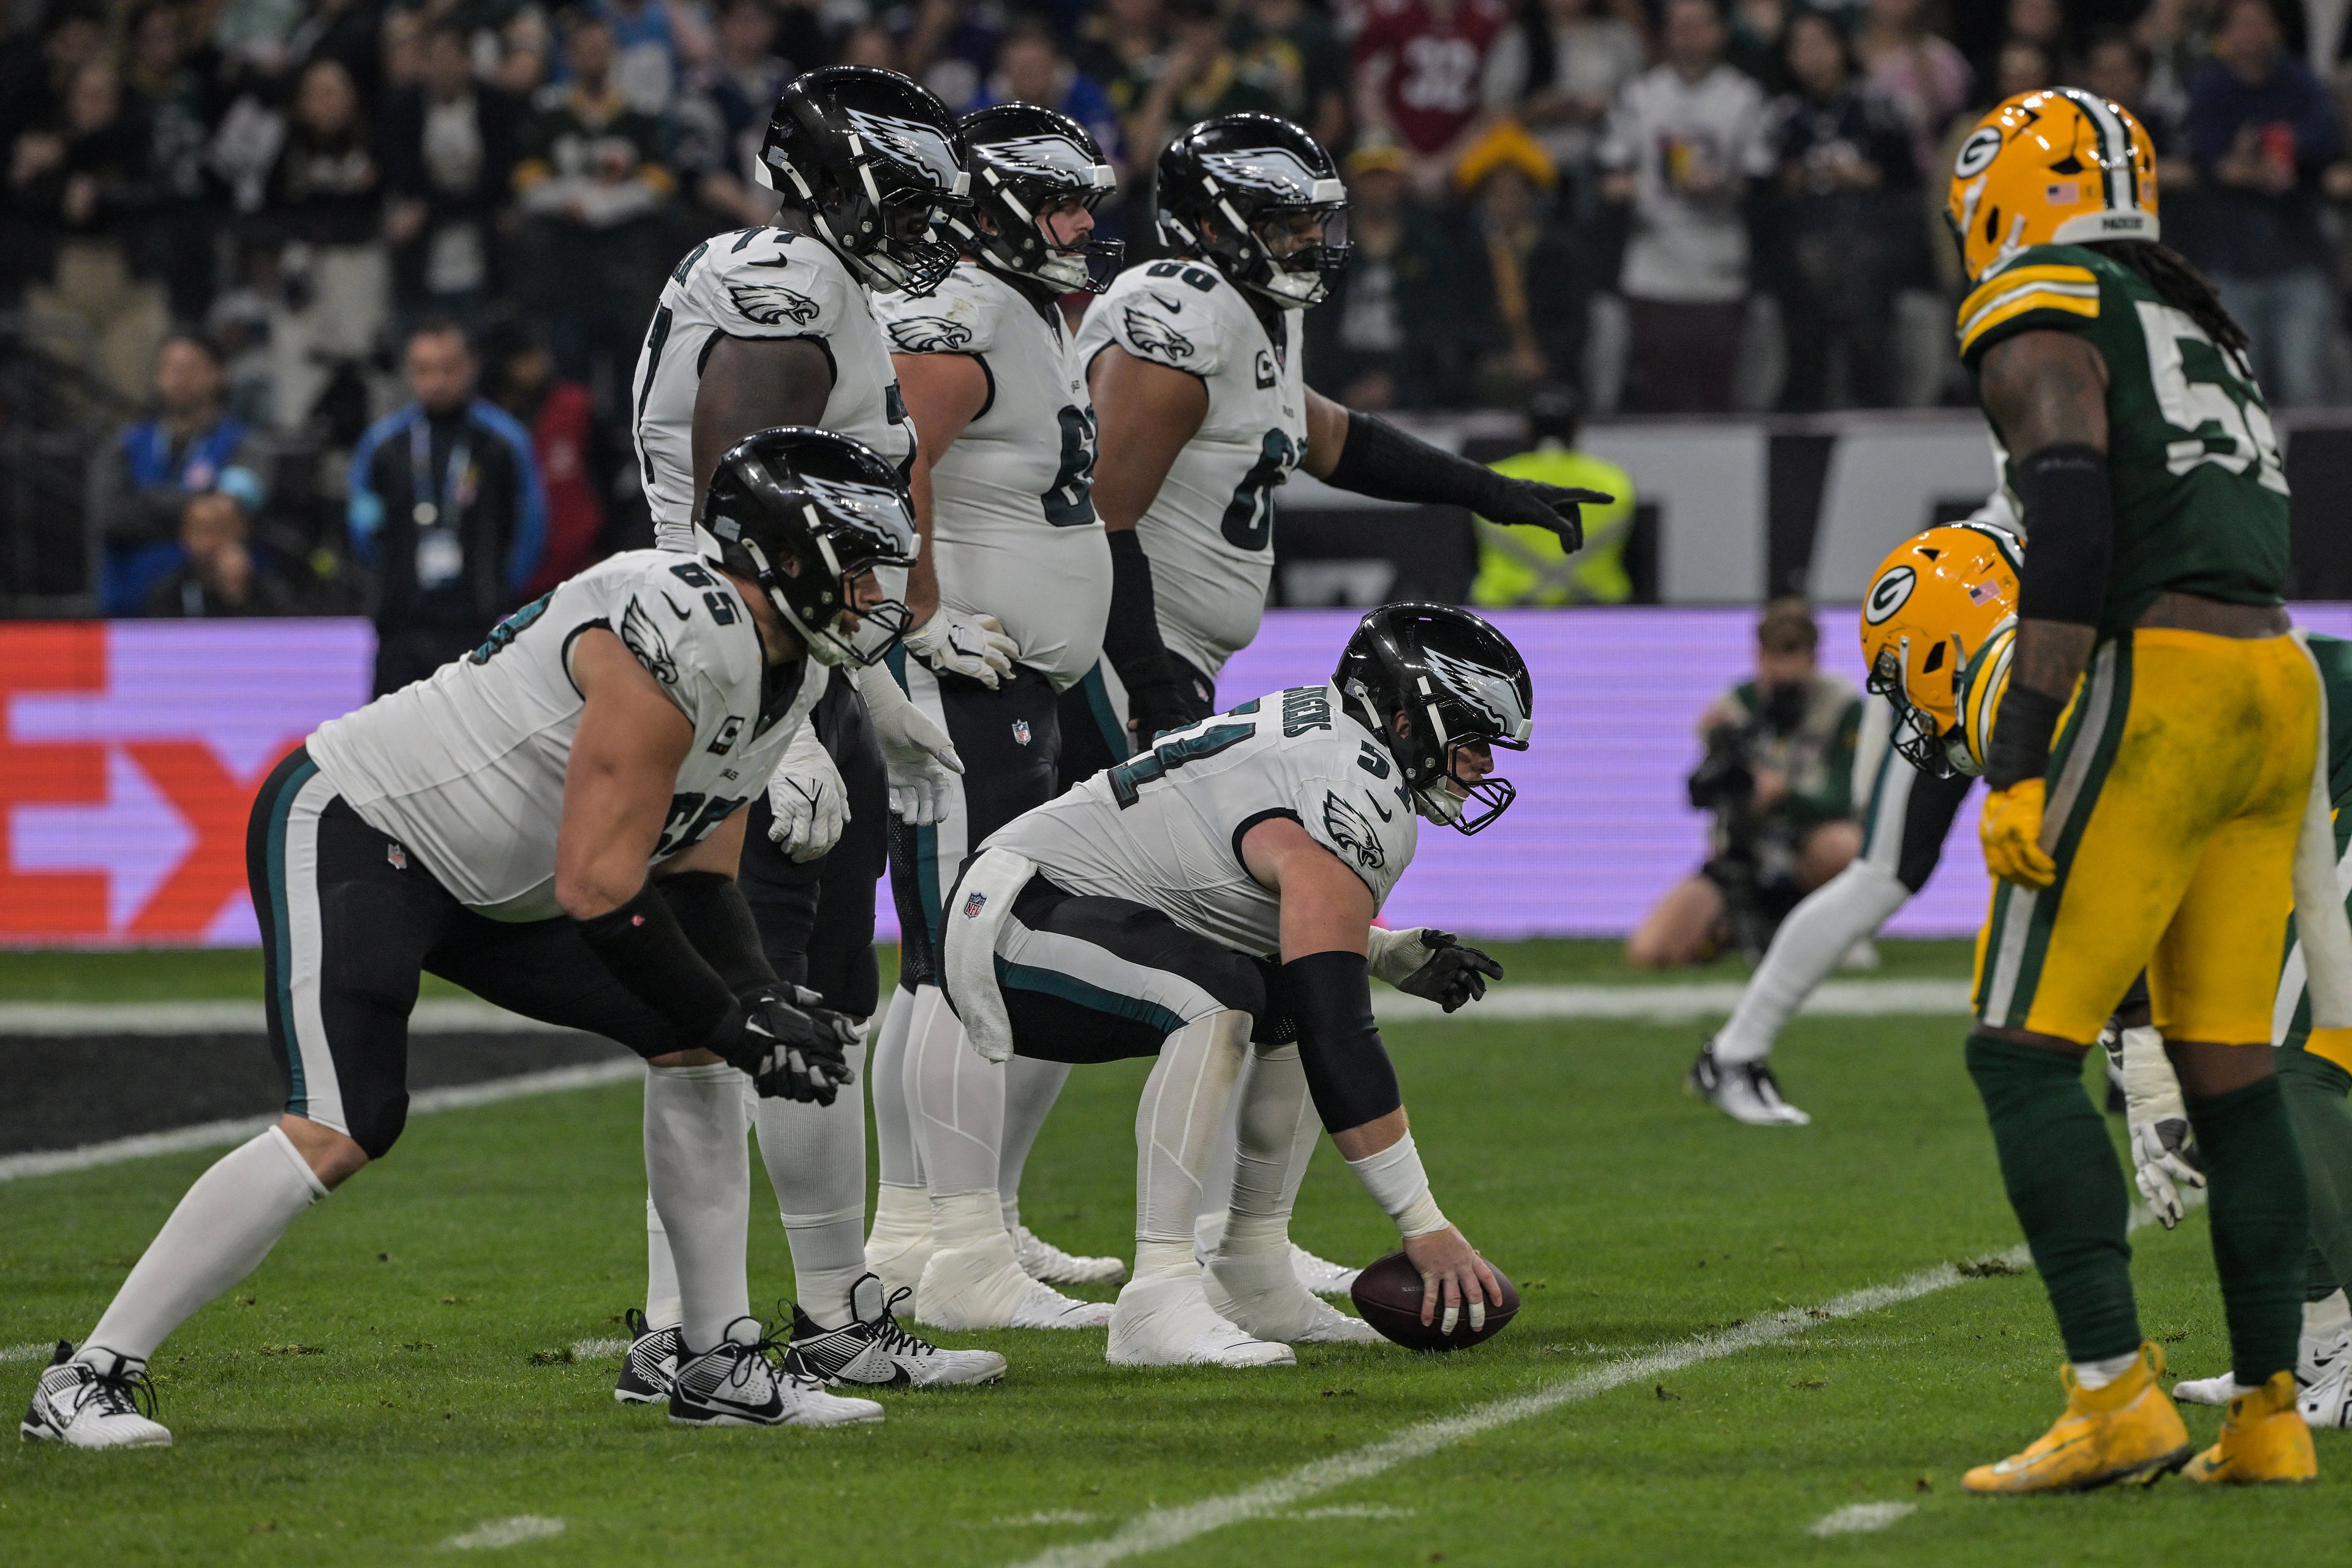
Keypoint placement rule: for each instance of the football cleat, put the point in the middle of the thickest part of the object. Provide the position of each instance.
(105, 1403)
(2126, 1431)
(979, 1286)
(1042, 1260)
(2317, 1357)
(874, 1351)
(742, 1382)
(1261, 1293)
(2206, 1390)
(2264, 1441)
(651, 1365)
(2326, 1402)
(1321, 1275)
(1165, 1320)
(1745, 1092)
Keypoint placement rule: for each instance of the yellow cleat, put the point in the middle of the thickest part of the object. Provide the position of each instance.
(2128, 1431)
(2264, 1441)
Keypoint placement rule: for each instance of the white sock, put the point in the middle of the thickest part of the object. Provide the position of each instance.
(220, 1232)
(902, 1212)
(2090, 1374)
(897, 1159)
(957, 1096)
(1157, 1257)
(1270, 1157)
(1810, 944)
(700, 1174)
(1031, 1087)
(1184, 1102)
(662, 1309)
(2325, 1318)
(815, 1156)
(960, 1219)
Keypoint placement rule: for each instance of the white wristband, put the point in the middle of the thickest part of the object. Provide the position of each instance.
(1398, 1184)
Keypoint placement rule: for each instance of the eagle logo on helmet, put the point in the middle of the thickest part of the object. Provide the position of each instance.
(1353, 833)
(1154, 336)
(1483, 691)
(929, 335)
(773, 304)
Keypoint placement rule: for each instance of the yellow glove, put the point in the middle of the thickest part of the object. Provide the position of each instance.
(2012, 831)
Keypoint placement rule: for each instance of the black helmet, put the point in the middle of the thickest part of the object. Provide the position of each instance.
(1457, 681)
(804, 513)
(875, 164)
(1023, 159)
(1228, 183)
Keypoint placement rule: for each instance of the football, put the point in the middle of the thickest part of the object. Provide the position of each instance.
(1388, 1296)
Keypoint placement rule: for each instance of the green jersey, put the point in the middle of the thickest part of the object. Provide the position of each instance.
(2334, 657)
(2200, 498)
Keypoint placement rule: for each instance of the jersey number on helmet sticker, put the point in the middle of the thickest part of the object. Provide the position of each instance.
(1128, 779)
(1070, 502)
(1249, 516)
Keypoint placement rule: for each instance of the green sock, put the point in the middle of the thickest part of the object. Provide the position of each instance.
(2262, 1219)
(2067, 1187)
(2315, 1089)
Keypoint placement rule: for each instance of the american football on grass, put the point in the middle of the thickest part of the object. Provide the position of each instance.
(1388, 1296)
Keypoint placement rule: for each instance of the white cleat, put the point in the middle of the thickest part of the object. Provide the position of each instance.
(1321, 1275)
(1745, 1092)
(2206, 1390)
(1261, 1293)
(742, 1382)
(2326, 1404)
(1166, 1320)
(1042, 1260)
(979, 1286)
(2320, 1362)
(94, 1403)
(2316, 1353)
(874, 1351)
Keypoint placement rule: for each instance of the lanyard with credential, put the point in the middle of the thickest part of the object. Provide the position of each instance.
(440, 550)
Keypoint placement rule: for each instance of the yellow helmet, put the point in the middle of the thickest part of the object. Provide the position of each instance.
(2060, 166)
(1941, 608)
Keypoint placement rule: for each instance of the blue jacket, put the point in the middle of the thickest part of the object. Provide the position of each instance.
(2252, 234)
(501, 517)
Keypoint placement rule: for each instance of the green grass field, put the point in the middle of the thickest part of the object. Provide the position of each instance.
(394, 1377)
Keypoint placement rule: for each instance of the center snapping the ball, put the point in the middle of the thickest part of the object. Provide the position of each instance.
(1388, 1296)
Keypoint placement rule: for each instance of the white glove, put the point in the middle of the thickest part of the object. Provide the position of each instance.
(806, 795)
(2164, 1150)
(973, 647)
(916, 754)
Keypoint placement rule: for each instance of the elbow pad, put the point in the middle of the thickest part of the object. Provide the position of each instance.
(1329, 996)
(648, 952)
(716, 920)
(2070, 530)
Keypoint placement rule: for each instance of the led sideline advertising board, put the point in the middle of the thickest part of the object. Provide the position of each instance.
(130, 753)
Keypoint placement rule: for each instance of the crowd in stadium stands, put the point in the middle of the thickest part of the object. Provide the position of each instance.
(1666, 206)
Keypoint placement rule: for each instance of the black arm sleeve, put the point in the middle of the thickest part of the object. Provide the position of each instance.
(648, 952)
(1132, 636)
(1329, 995)
(2070, 520)
(715, 917)
(1379, 459)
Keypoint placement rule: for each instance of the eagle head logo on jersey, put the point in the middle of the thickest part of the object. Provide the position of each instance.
(1353, 832)
(929, 335)
(773, 304)
(1154, 336)
(643, 637)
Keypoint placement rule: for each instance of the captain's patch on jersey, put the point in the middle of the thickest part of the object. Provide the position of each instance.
(772, 304)
(930, 334)
(1154, 336)
(644, 637)
(1353, 832)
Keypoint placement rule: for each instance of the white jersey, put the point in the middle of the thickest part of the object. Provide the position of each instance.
(1013, 529)
(1164, 828)
(465, 770)
(1209, 533)
(756, 283)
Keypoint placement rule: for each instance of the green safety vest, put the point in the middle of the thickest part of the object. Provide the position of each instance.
(1521, 564)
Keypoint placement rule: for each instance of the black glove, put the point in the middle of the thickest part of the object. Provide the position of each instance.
(1159, 703)
(1455, 975)
(1534, 504)
(792, 1047)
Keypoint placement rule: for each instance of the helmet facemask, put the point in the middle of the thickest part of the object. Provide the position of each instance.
(1918, 738)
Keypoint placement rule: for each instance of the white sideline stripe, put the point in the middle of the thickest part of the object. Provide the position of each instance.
(27, 1352)
(217, 1134)
(1861, 1518)
(1677, 1004)
(597, 1350)
(500, 1532)
(436, 1015)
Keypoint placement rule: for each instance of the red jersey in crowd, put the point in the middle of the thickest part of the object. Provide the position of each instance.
(1434, 52)
(560, 431)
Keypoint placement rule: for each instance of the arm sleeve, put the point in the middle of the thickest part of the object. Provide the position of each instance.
(1329, 996)
(711, 911)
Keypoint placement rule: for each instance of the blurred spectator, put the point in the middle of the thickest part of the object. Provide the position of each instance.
(722, 122)
(1758, 29)
(576, 457)
(1290, 49)
(140, 485)
(951, 46)
(1778, 782)
(2045, 26)
(35, 82)
(79, 186)
(220, 577)
(446, 506)
(172, 81)
(1846, 222)
(449, 150)
(1520, 565)
(869, 44)
(1682, 142)
(1579, 54)
(523, 49)
(594, 184)
(1925, 76)
(2263, 132)
(2020, 66)
(1526, 294)
(353, 34)
(1385, 338)
(1031, 69)
(1113, 43)
(2115, 66)
(401, 45)
(1194, 77)
(1431, 77)
(655, 43)
(2177, 35)
(335, 273)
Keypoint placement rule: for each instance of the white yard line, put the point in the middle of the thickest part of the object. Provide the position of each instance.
(218, 1135)
(500, 1532)
(435, 1015)
(598, 1349)
(1861, 1518)
(41, 1352)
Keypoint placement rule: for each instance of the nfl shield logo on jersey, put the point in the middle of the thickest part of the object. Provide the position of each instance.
(973, 904)
(1020, 732)
(396, 856)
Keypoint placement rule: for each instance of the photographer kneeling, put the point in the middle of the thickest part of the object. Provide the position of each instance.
(1778, 778)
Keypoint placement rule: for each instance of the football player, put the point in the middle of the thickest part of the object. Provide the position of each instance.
(1002, 486)
(2158, 826)
(1211, 900)
(768, 326)
(554, 823)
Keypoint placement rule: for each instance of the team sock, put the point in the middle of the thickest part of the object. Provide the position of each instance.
(1269, 1157)
(897, 1159)
(663, 1310)
(1813, 940)
(2315, 1088)
(699, 1172)
(1031, 1087)
(1184, 1101)
(815, 1156)
(222, 1229)
(956, 1097)
(2261, 1216)
(2063, 1178)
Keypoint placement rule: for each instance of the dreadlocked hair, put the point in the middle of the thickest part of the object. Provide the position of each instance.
(2182, 286)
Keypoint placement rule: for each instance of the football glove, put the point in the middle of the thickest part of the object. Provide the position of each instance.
(973, 647)
(1533, 504)
(1158, 702)
(807, 795)
(916, 756)
(1432, 964)
(2163, 1149)
(2012, 831)
(792, 1047)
